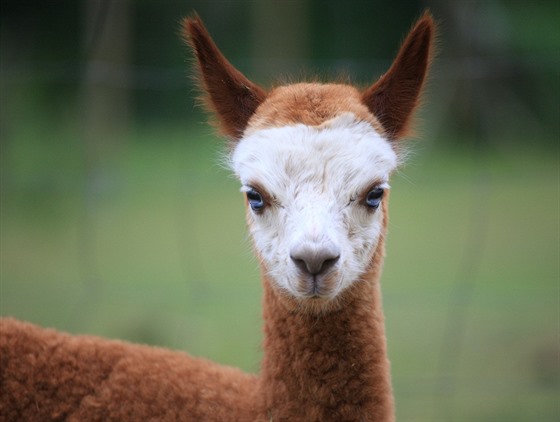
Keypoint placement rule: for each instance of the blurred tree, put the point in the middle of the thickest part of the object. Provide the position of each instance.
(280, 36)
(106, 95)
(491, 62)
(510, 47)
(105, 111)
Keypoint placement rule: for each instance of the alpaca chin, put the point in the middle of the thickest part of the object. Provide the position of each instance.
(312, 304)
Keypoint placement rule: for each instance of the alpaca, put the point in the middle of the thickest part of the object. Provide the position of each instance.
(314, 162)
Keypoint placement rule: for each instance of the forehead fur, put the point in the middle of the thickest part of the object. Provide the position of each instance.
(311, 104)
(341, 154)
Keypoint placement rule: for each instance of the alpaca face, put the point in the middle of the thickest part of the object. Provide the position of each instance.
(314, 195)
(314, 160)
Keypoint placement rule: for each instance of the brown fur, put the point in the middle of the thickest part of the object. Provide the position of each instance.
(321, 363)
(317, 367)
(230, 95)
(329, 366)
(47, 376)
(310, 104)
(395, 96)
(388, 104)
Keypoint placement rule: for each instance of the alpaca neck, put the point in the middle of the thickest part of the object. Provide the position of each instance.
(330, 366)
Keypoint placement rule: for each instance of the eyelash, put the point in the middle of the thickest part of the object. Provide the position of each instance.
(255, 200)
(372, 197)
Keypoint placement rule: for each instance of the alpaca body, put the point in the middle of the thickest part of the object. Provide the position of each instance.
(315, 368)
(314, 161)
(46, 375)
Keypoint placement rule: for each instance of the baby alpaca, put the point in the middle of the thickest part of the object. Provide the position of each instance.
(314, 162)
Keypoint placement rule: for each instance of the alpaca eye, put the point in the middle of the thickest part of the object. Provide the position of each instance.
(255, 200)
(373, 198)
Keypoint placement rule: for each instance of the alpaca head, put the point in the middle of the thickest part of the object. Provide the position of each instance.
(314, 162)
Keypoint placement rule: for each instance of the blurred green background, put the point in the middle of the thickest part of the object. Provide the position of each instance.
(116, 218)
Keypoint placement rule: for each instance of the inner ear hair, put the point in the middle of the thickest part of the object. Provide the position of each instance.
(226, 91)
(395, 96)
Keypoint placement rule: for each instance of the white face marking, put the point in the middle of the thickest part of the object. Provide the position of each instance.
(315, 177)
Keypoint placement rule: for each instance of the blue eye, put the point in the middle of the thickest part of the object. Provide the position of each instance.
(373, 198)
(255, 200)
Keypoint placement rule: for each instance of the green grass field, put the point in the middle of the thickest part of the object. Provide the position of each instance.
(151, 247)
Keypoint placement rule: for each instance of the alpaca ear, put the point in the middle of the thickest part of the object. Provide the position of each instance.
(228, 94)
(393, 98)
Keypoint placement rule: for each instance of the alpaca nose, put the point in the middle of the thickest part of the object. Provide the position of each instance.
(315, 259)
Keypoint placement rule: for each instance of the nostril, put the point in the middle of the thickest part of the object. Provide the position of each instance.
(328, 263)
(314, 260)
(300, 263)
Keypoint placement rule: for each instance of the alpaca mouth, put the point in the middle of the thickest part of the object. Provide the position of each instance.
(316, 286)
(315, 291)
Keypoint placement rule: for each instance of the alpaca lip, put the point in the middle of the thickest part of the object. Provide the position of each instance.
(315, 287)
